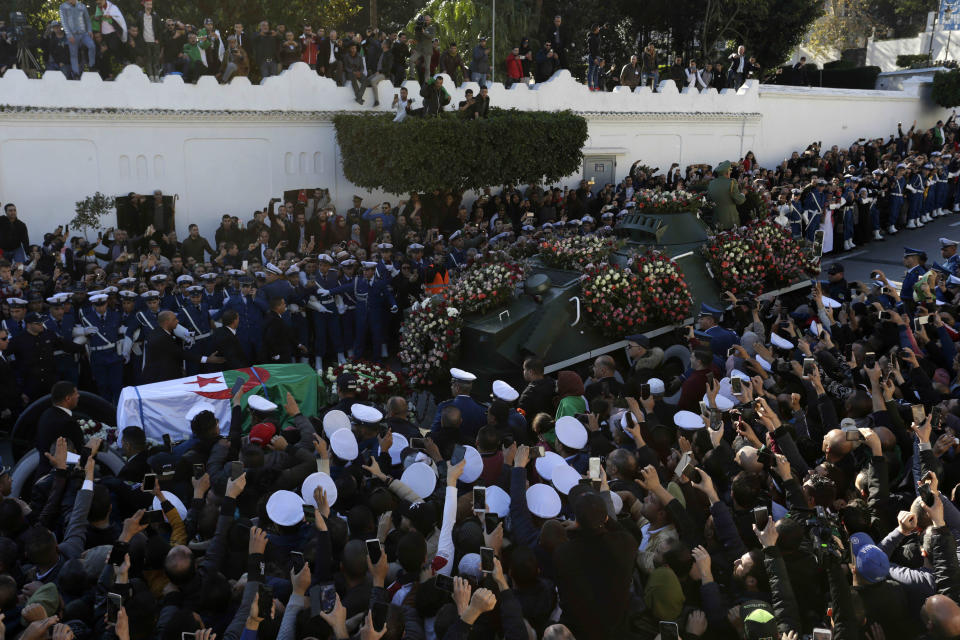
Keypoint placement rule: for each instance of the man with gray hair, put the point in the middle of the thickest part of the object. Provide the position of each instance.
(164, 352)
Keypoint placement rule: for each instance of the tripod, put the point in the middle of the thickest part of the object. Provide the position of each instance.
(26, 61)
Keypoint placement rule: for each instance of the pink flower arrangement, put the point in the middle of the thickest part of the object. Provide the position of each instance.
(485, 286)
(429, 339)
(756, 258)
(651, 201)
(576, 252)
(622, 300)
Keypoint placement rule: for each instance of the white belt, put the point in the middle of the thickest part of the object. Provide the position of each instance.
(104, 347)
(203, 335)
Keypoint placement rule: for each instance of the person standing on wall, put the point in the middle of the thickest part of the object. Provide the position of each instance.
(739, 67)
(77, 25)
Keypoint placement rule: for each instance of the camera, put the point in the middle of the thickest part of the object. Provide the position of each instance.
(821, 529)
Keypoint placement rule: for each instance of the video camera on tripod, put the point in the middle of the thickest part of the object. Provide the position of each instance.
(821, 530)
(18, 29)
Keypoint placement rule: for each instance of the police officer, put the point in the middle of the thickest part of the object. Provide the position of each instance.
(324, 314)
(837, 287)
(15, 325)
(386, 268)
(33, 354)
(847, 212)
(948, 251)
(167, 300)
(911, 260)
(102, 328)
(915, 187)
(250, 329)
(794, 213)
(276, 286)
(457, 256)
(195, 316)
(62, 325)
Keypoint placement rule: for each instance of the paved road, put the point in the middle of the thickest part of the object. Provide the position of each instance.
(888, 254)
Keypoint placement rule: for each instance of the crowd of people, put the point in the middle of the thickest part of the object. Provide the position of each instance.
(102, 38)
(796, 473)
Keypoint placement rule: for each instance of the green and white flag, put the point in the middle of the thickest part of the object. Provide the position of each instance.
(163, 407)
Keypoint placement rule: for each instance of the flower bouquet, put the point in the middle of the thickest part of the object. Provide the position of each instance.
(576, 252)
(651, 201)
(756, 258)
(485, 286)
(374, 381)
(96, 429)
(622, 300)
(429, 339)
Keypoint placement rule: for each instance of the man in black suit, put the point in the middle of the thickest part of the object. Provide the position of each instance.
(279, 340)
(134, 449)
(58, 421)
(558, 38)
(164, 352)
(226, 343)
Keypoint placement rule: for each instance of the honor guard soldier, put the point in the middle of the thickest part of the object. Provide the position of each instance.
(373, 296)
(347, 305)
(159, 284)
(15, 323)
(102, 328)
(62, 324)
(324, 315)
(213, 297)
(140, 326)
(195, 316)
(709, 329)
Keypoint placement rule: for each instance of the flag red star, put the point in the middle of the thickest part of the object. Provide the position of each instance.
(202, 382)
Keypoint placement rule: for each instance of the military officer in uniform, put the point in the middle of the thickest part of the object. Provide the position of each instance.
(62, 325)
(473, 413)
(15, 324)
(948, 251)
(195, 316)
(276, 286)
(372, 295)
(213, 297)
(347, 305)
(102, 329)
(895, 195)
(515, 420)
(911, 260)
(33, 355)
(709, 329)
(297, 315)
(724, 191)
(324, 315)
(139, 327)
(250, 329)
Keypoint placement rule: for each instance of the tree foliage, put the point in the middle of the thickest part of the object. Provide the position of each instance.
(510, 147)
(946, 88)
(90, 211)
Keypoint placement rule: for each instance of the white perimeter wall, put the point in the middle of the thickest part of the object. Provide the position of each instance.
(883, 53)
(228, 149)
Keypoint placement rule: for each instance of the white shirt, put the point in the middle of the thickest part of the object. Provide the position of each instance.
(148, 35)
(107, 28)
(741, 63)
(647, 534)
(694, 78)
(69, 413)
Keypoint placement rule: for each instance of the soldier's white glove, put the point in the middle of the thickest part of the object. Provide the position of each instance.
(90, 331)
(394, 309)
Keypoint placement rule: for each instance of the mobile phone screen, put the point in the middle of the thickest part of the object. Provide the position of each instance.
(374, 550)
(198, 471)
(594, 468)
(490, 522)
(486, 559)
(236, 469)
(380, 611)
(645, 391)
(459, 451)
(236, 386)
(444, 582)
(761, 517)
(114, 604)
(919, 415)
(479, 498)
(669, 631)
(149, 482)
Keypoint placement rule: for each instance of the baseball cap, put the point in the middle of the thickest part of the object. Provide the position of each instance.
(262, 432)
(872, 563)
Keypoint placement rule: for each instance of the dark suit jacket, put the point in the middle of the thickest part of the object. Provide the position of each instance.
(53, 423)
(226, 344)
(164, 357)
(135, 469)
(279, 341)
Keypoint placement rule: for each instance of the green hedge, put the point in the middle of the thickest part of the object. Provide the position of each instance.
(946, 88)
(907, 61)
(449, 153)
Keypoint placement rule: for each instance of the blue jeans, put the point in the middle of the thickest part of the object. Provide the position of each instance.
(479, 78)
(86, 40)
(655, 76)
(593, 75)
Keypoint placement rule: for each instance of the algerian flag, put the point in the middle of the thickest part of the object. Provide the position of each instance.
(164, 407)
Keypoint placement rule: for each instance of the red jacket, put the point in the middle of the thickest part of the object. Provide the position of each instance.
(309, 46)
(514, 67)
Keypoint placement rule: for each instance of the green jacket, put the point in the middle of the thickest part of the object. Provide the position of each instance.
(726, 194)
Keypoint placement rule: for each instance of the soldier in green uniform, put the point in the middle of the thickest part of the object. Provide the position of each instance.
(724, 192)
